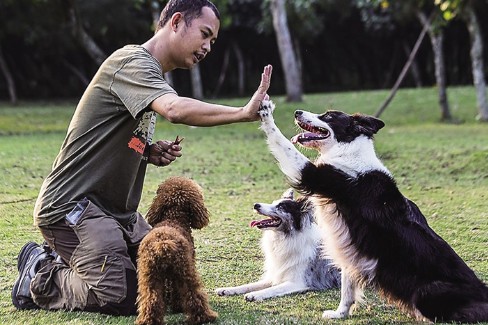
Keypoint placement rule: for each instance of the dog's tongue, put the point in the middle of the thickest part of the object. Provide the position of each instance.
(255, 223)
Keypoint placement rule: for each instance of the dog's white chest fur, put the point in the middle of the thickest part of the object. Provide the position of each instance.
(338, 244)
(285, 256)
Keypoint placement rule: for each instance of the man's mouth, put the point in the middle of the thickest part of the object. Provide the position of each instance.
(269, 222)
(198, 56)
(313, 133)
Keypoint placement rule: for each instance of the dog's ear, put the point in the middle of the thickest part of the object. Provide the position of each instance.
(199, 213)
(199, 216)
(368, 125)
(154, 214)
(288, 194)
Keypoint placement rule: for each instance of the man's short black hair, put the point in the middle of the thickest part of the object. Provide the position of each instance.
(190, 9)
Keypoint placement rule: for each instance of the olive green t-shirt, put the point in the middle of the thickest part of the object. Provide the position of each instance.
(102, 157)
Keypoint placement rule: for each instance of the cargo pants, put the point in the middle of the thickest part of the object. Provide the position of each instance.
(98, 268)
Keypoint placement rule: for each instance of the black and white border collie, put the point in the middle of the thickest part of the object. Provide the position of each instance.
(292, 248)
(376, 236)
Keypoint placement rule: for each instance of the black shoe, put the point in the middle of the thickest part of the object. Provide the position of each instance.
(28, 263)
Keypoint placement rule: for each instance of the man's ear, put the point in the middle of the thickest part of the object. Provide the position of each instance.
(176, 20)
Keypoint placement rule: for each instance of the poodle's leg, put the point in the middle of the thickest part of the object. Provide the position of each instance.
(193, 295)
(176, 305)
(150, 302)
(196, 305)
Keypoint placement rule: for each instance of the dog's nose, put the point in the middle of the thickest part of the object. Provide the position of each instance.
(298, 113)
(257, 206)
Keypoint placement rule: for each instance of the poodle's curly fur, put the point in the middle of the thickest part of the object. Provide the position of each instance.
(167, 275)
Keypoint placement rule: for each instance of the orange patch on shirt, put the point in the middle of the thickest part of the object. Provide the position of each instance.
(137, 145)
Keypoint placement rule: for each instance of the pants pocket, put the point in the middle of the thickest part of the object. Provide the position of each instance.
(102, 257)
(103, 272)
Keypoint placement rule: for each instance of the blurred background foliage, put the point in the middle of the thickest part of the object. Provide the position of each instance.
(339, 44)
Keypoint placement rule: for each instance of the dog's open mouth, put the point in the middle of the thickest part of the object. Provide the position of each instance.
(314, 133)
(266, 223)
(269, 222)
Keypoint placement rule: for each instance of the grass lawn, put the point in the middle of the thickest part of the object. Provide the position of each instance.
(442, 167)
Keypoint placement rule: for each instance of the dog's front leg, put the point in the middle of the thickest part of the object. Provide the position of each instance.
(291, 161)
(281, 289)
(348, 297)
(245, 288)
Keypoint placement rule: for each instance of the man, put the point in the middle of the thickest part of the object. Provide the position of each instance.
(87, 206)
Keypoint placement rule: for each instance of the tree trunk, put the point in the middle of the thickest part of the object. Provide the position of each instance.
(223, 73)
(437, 41)
(293, 80)
(77, 72)
(400, 78)
(477, 63)
(196, 82)
(85, 40)
(298, 56)
(8, 77)
(414, 69)
(241, 69)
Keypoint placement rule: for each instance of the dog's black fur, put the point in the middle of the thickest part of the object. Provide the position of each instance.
(415, 267)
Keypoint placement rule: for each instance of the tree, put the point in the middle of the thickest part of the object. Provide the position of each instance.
(410, 61)
(293, 79)
(85, 40)
(401, 8)
(477, 63)
(436, 34)
(8, 78)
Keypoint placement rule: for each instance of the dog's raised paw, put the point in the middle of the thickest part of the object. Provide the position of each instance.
(266, 108)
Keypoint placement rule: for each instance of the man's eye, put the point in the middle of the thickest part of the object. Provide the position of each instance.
(205, 34)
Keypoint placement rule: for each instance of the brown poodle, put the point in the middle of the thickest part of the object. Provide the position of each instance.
(166, 269)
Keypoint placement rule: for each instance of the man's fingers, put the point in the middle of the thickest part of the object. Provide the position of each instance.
(265, 79)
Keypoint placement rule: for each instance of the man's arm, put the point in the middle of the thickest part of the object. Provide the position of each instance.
(184, 110)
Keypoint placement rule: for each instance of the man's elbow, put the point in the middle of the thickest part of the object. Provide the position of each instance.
(168, 110)
(173, 115)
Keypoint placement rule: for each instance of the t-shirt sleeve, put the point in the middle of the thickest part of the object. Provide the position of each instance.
(138, 83)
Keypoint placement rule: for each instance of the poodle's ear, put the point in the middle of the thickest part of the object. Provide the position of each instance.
(155, 213)
(200, 215)
(162, 203)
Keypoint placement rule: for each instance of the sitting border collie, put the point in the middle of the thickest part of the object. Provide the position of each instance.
(292, 247)
(375, 235)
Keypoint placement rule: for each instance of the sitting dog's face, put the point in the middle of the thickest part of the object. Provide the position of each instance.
(285, 215)
(332, 127)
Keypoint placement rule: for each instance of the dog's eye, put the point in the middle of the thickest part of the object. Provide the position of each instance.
(325, 117)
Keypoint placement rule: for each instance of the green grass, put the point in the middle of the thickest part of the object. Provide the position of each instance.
(442, 167)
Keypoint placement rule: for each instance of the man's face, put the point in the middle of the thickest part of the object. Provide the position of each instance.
(197, 38)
